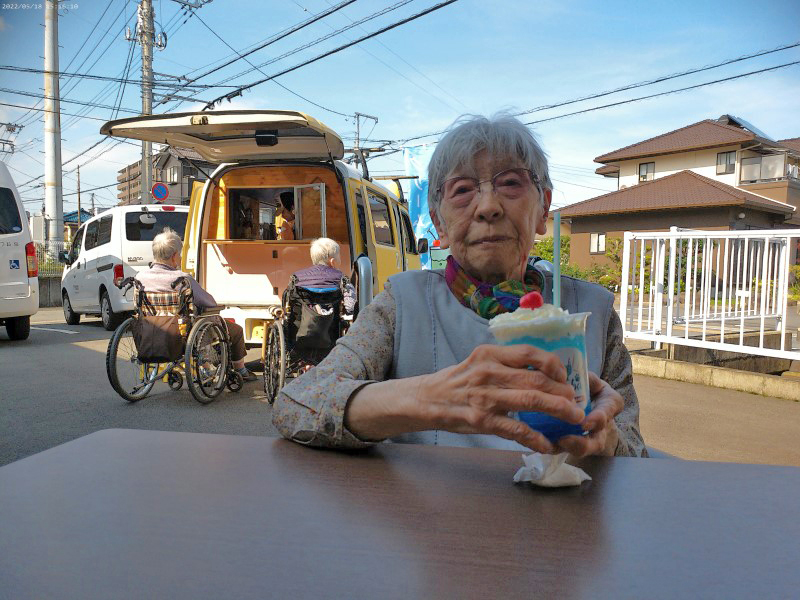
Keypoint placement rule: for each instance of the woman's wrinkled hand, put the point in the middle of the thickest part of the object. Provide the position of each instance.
(476, 395)
(603, 436)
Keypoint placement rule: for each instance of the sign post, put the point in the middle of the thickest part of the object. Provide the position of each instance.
(160, 192)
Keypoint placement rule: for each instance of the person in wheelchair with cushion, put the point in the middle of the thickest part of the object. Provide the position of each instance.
(164, 270)
(319, 301)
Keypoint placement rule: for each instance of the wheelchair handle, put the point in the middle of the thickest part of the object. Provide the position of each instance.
(126, 284)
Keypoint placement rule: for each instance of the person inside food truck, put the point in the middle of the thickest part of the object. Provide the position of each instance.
(284, 218)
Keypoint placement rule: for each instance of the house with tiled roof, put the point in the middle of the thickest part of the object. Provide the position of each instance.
(722, 174)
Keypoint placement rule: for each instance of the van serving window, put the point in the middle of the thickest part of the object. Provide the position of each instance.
(257, 213)
(143, 226)
(9, 214)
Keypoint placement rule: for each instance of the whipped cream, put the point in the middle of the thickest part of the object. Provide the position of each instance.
(547, 321)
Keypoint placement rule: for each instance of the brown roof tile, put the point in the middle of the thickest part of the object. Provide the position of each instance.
(792, 144)
(704, 134)
(684, 189)
(607, 170)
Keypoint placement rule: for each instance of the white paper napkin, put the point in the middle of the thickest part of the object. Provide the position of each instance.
(549, 470)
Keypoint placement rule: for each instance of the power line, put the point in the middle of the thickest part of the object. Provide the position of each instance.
(321, 39)
(68, 101)
(336, 112)
(238, 91)
(659, 79)
(45, 110)
(165, 84)
(691, 87)
(271, 40)
(630, 86)
(427, 91)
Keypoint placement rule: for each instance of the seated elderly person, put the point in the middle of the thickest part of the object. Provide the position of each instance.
(324, 273)
(419, 363)
(167, 248)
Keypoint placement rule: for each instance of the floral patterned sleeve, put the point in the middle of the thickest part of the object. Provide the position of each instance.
(310, 409)
(618, 373)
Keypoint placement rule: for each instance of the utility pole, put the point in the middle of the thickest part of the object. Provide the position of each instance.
(79, 197)
(93, 213)
(146, 36)
(360, 157)
(54, 202)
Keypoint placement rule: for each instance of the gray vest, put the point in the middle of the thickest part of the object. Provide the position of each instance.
(434, 331)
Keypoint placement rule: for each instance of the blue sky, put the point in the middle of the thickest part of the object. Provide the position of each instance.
(469, 57)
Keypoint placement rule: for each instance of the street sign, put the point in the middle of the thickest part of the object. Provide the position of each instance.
(160, 192)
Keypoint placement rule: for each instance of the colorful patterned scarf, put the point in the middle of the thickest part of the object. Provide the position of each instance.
(485, 299)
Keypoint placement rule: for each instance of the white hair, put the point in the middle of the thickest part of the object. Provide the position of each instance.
(502, 136)
(323, 250)
(166, 245)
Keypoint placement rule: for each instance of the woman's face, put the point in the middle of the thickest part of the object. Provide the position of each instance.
(491, 235)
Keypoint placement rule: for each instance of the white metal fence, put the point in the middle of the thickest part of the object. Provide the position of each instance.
(722, 290)
(47, 255)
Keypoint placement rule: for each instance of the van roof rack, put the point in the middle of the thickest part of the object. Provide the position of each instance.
(396, 179)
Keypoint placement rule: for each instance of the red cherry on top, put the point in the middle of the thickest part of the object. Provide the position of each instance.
(531, 300)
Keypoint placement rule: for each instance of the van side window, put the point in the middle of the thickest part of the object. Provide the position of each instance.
(75, 249)
(9, 214)
(408, 233)
(104, 230)
(381, 220)
(361, 209)
(91, 236)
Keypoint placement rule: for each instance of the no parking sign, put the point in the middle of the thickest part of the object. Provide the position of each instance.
(160, 191)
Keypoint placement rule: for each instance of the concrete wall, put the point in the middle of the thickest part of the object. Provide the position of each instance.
(49, 291)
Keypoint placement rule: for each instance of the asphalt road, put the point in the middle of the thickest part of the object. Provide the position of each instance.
(53, 388)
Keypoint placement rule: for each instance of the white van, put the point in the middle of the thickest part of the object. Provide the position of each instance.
(19, 269)
(109, 247)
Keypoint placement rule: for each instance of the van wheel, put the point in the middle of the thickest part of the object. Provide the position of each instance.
(18, 328)
(107, 315)
(70, 316)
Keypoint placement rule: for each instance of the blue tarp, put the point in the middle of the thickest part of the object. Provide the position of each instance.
(416, 160)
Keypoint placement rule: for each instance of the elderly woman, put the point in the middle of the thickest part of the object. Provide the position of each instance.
(165, 268)
(324, 272)
(419, 364)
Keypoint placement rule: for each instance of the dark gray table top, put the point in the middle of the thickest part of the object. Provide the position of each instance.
(147, 514)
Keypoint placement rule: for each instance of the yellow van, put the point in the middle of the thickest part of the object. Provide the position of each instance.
(281, 184)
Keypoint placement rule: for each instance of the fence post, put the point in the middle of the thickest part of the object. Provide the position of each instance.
(671, 279)
(623, 291)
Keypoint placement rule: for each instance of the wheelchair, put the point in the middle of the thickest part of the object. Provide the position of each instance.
(310, 323)
(166, 339)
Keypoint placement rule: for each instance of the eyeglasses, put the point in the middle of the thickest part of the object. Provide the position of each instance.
(510, 184)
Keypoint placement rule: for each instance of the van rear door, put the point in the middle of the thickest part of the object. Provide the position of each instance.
(230, 136)
(13, 263)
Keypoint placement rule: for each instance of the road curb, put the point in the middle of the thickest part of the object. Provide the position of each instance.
(772, 386)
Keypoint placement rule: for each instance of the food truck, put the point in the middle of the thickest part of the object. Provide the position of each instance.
(280, 184)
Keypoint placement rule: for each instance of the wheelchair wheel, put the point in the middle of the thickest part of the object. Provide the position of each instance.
(235, 381)
(206, 360)
(275, 362)
(130, 378)
(174, 380)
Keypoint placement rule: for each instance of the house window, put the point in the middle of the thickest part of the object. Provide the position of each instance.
(597, 242)
(173, 175)
(647, 171)
(726, 162)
